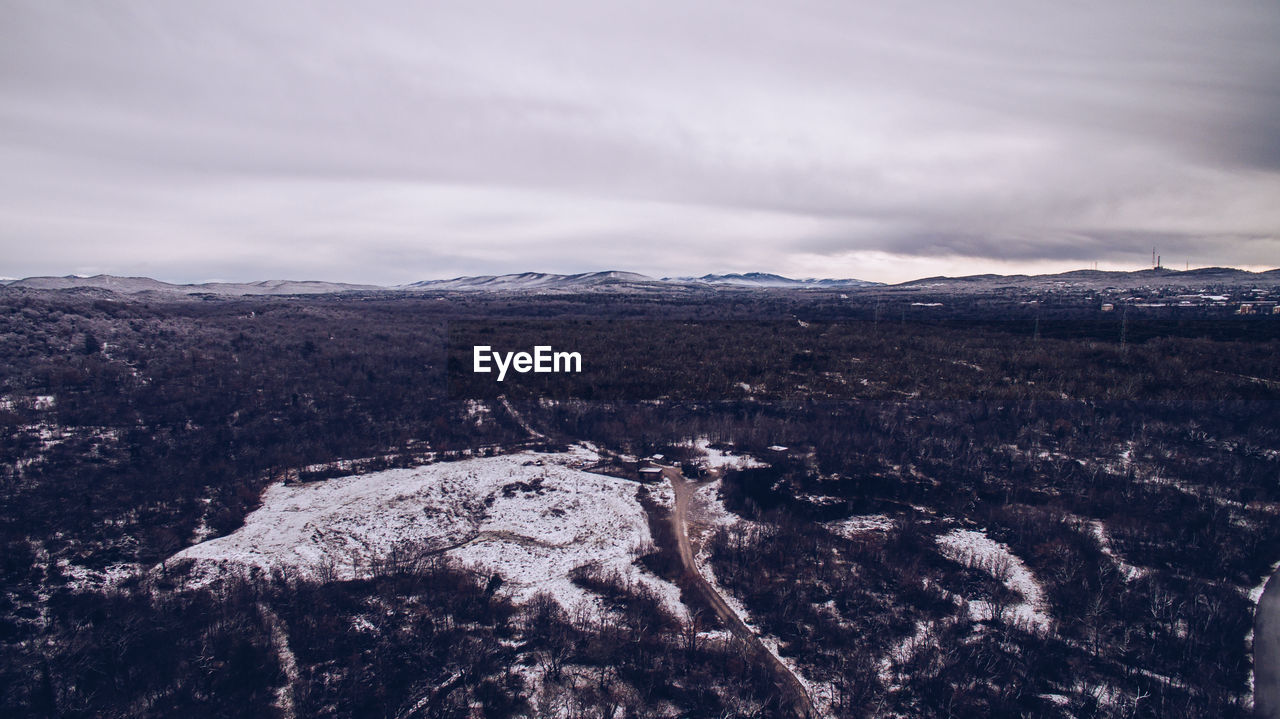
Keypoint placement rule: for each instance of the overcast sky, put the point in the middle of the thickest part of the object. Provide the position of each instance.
(387, 143)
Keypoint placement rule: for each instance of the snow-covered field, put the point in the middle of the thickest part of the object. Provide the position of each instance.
(530, 517)
(976, 549)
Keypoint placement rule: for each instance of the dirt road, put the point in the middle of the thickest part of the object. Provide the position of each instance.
(793, 690)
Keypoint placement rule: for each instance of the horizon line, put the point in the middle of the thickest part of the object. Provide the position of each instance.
(7, 280)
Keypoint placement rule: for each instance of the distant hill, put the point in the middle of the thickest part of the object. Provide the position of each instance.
(530, 281)
(1101, 279)
(764, 279)
(135, 285)
(632, 282)
(621, 280)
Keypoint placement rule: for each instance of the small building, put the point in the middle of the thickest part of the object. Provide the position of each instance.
(650, 474)
(1108, 307)
(1246, 308)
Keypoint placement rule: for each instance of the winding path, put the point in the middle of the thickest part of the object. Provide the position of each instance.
(288, 663)
(520, 420)
(793, 689)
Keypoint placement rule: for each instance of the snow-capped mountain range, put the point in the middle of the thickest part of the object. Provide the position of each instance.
(764, 279)
(522, 282)
(134, 285)
(618, 281)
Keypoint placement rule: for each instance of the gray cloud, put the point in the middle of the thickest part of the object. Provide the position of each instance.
(393, 142)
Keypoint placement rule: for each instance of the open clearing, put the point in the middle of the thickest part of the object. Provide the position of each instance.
(530, 517)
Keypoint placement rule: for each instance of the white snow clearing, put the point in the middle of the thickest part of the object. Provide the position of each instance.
(717, 459)
(975, 549)
(531, 517)
(861, 524)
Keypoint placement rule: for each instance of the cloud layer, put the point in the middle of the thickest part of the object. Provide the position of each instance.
(394, 142)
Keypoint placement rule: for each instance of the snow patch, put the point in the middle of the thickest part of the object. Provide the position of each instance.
(854, 526)
(662, 494)
(81, 578)
(477, 412)
(906, 649)
(707, 508)
(976, 549)
(532, 518)
(1130, 571)
(717, 459)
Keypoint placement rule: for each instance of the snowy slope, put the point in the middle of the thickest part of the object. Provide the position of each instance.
(133, 285)
(532, 518)
(765, 279)
(529, 281)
